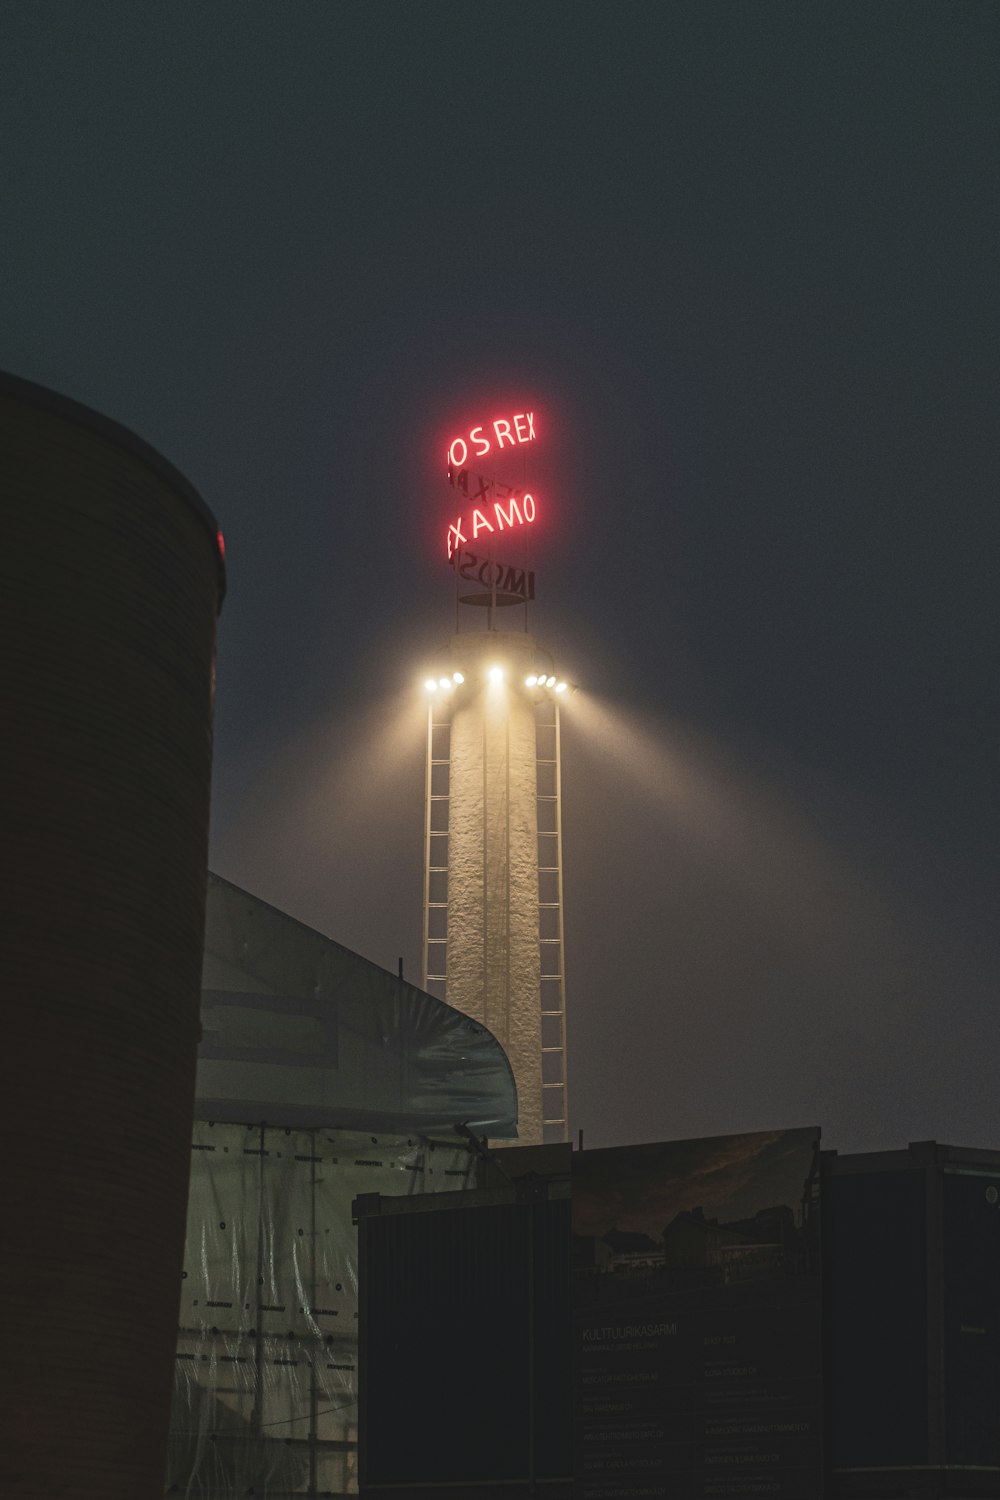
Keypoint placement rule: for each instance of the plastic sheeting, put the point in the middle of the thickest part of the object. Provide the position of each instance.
(265, 1399)
(300, 1031)
(353, 1071)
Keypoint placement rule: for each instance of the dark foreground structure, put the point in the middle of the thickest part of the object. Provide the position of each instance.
(740, 1316)
(111, 579)
(912, 1342)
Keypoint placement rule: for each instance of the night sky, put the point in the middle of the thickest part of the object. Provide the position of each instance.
(742, 262)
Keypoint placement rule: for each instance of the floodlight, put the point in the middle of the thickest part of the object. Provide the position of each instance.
(496, 674)
(446, 683)
(431, 684)
(531, 681)
(457, 677)
(550, 682)
(561, 687)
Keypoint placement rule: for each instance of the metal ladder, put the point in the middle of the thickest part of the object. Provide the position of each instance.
(555, 1104)
(436, 797)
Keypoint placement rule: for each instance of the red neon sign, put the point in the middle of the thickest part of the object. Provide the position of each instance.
(501, 515)
(504, 432)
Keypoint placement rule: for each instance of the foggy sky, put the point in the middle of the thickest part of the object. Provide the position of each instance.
(741, 260)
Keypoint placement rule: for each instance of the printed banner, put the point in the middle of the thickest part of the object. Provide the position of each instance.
(696, 1319)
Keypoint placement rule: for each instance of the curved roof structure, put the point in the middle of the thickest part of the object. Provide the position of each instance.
(299, 1031)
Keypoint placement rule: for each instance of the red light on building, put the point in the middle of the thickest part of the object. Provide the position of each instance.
(516, 511)
(478, 443)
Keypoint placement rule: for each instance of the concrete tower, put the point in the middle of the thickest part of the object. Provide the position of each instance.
(493, 931)
(493, 922)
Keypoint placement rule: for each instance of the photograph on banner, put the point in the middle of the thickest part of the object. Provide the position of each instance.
(697, 1312)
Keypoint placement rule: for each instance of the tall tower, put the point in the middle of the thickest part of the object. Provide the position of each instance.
(493, 891)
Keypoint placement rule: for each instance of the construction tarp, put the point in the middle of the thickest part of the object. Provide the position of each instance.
(266, 1388)
(298, 1031)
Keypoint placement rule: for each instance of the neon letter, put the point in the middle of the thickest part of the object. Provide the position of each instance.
(518, 424)
(458, 463)
(455, 537)
(470, 562)
(531, 425)
(514, 581)
(479, 522)
(482, 444)
(529, 515)
(497, 425)
(507, 517)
